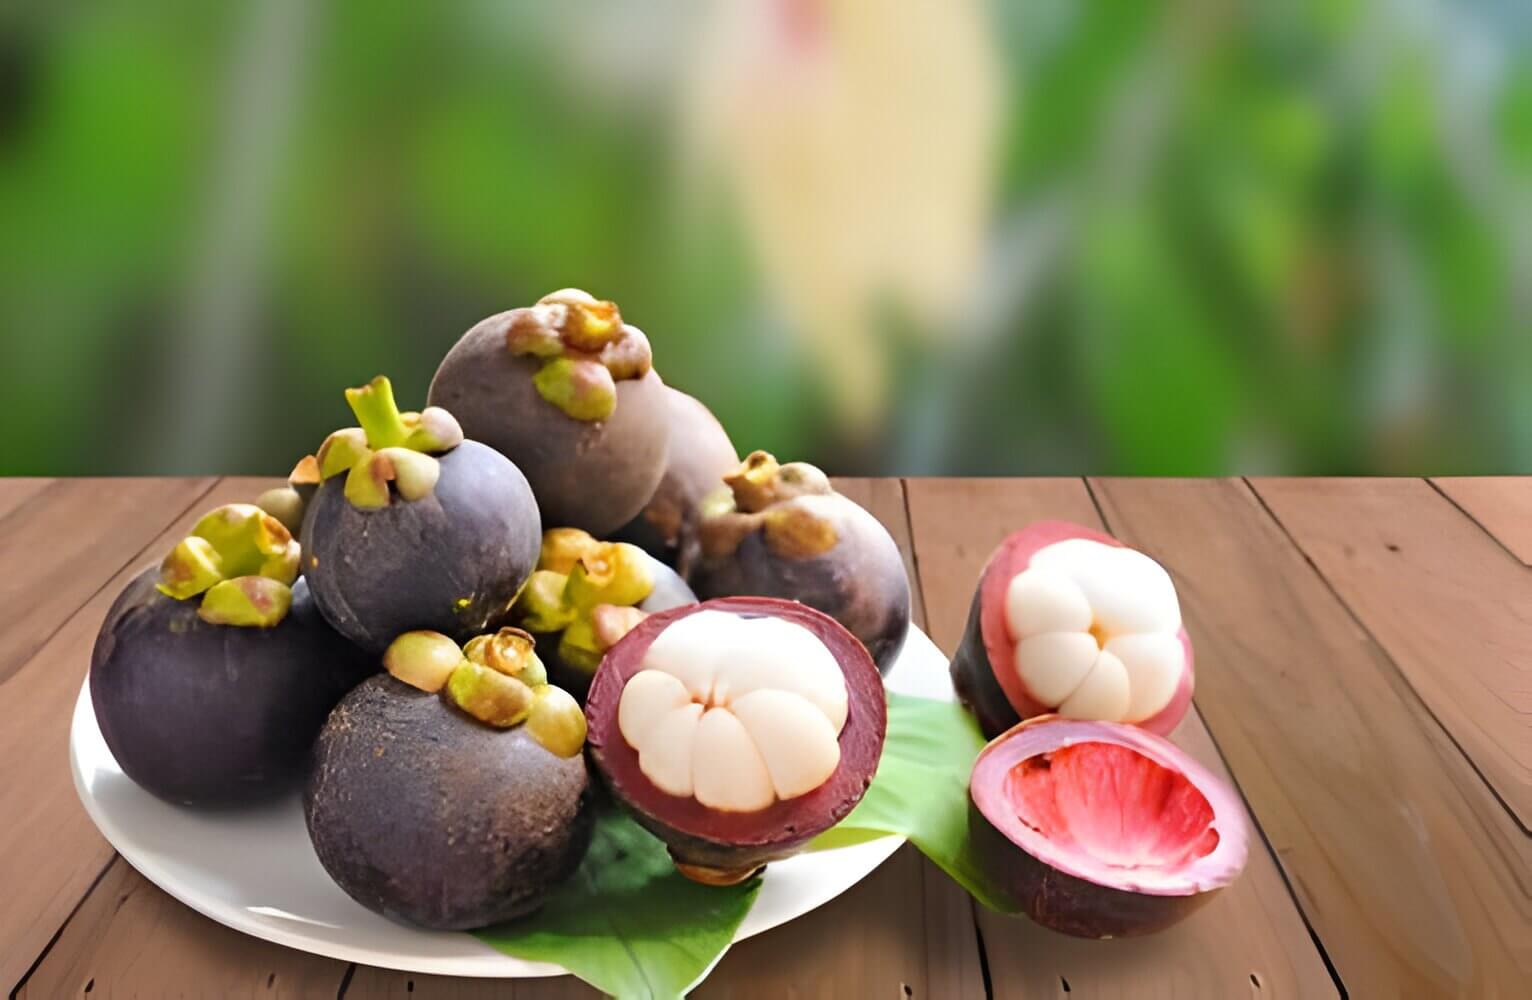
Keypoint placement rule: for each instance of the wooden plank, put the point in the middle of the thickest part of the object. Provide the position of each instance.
(1412, 874)
(368, 982)
(905, 926)
(1501, 504)
(58, 546)
(1251, 936)
(50, 852)
(131, 939)
(15, 491)
(1448, 605)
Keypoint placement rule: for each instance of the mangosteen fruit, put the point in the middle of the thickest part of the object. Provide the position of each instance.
(701, 454)
(451, 792)
(585, 595)
(287, 503)
(567, 391)
(1101, 829)
(781, 531)
(1069, 620)
(213, 672)
(736, 730)
(414, 527)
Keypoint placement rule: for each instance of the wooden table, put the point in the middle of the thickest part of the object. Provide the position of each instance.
(1364, 653)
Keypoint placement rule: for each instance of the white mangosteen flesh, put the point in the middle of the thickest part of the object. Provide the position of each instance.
(1097, 631)
(1113, 805)
(735, 711)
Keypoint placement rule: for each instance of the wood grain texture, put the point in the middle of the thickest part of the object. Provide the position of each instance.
(1249, 940)
(1411, 872)
(61, 541)
(1450, 607)
(16, 491)
(50, 852)
(1501, 504)
(905, 927)
(131, 939)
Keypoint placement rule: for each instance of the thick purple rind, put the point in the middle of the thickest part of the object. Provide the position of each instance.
(700, 455)
(739, 841)
(594, 475)
(202, 714)
(860, 582)
(1071, 905)
(974, 680)
(451, 562)
(421, 813)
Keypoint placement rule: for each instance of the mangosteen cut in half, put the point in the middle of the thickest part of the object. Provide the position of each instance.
(737, 730)
(1069, 620)
(1101, 829)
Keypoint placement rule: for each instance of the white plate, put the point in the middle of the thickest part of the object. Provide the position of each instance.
(254, 869)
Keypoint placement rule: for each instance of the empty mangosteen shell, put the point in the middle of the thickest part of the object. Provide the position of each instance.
(451, 562)
(700, 455)
(986, 648)
(860, 582)
(1076, 906)
(202, 714)
(419, 812)
(726, 841)
(595, 475)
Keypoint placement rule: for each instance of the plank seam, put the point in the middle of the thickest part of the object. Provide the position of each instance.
(1255, 820)
(1431, 482)
(47, 948)
(1387, 656)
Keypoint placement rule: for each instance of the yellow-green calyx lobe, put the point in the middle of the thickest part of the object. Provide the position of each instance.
(287, 503)
(782, 502)
(496, 678)
(241, 559)
(389, 449)
(586, 590)
(586, 350)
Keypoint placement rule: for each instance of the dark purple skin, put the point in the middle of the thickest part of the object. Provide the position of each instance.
(974, 680)
(595, 475)
(860, 582)
(203, 714)
(701, 454)
(451, 562)
(426, 815)
(1071, 905)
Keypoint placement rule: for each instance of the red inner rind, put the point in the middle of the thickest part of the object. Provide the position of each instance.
(1009, 561)
(785, 821)
(1113, 804)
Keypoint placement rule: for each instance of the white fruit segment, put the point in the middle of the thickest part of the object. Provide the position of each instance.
(736, 712)
(1096, 628)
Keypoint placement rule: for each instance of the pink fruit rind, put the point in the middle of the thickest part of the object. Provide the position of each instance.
(1012, 558)
(991, 792)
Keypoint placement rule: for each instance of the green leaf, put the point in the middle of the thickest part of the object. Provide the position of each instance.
(921, 793)
(627, 923)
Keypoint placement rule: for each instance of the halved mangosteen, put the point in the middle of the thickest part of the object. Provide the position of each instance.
(1101, 829)
(1069, 620)
(701, 454)
(737, 730)
(452, 791)
(213, 672)
(414, 527)
(567, 391)
(585, 595)
(781, 531)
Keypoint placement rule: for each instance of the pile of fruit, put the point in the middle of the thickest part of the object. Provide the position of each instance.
(462, 630)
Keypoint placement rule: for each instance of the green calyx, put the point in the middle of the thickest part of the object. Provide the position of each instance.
(497, 679)
(780, 501)
(587, 591)
(241, 559)
(586, 350)
(389, 449)
(287, 503)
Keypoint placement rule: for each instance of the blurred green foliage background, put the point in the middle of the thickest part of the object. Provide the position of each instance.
(1053, 236)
